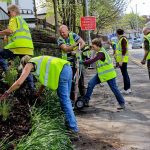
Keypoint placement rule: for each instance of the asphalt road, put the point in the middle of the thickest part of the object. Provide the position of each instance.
(137, 54)
(102, 127)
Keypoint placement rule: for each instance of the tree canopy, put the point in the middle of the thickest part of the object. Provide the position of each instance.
(130, 21)
(106, 12)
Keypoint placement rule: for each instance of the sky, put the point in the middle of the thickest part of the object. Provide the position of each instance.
(143, 7)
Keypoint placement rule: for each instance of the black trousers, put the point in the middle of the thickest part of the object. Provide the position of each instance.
(125, 75)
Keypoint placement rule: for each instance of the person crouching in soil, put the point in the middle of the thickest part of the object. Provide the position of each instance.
(105, 73)
(54, 73)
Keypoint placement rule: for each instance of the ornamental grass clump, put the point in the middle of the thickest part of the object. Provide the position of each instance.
(11, 76)
(5, 108)
(48, 131)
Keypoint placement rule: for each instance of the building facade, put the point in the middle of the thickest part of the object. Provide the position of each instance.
(26, 7)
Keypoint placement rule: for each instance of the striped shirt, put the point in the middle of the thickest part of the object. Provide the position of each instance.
(60, 41)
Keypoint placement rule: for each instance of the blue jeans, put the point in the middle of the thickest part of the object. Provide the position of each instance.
(125, 75)
(7, 54)
(112, 84)
(63, 91)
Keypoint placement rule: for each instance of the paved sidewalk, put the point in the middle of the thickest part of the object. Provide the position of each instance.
(103, 128)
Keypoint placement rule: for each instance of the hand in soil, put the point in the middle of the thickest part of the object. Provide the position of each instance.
(4, 96)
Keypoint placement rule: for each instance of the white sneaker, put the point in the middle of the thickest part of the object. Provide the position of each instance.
(129, 91)
(126, 91)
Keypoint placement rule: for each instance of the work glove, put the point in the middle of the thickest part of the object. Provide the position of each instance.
(37, 94)
(4, 96)
(39, 91)
(81, 62)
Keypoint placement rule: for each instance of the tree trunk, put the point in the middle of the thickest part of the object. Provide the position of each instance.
(56, 17)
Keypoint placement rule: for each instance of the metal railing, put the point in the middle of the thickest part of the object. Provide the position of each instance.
(26, 11)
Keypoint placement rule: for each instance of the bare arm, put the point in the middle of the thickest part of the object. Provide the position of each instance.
(6, 32)
(67, 48)
(26, 71)
(144, 58)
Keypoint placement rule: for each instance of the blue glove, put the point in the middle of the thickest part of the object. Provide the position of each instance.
(80, 61)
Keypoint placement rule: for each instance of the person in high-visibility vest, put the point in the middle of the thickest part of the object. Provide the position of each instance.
(146, 32)
(105, 73)
(19, 40)
(68, 43)
(122, 57)
(54, 73)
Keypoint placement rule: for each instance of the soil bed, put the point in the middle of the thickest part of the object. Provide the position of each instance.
(18, 123)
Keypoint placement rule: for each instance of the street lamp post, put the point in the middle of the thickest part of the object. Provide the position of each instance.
(137, 23)
(87, 14)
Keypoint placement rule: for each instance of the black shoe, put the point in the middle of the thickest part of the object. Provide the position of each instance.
(86, 103)
(74, 136)
(121, 108)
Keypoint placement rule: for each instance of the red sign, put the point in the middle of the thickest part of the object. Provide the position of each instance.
(88, 23)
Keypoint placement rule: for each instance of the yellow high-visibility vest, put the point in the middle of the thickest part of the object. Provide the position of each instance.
(72, 41)
(119, 51)
(148, 38)
(21, 38)
(105, 69)
(48, 70)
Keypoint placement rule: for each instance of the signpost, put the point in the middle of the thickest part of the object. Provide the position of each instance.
(88, 23)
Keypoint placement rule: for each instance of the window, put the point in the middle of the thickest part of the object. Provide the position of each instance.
(17, 2)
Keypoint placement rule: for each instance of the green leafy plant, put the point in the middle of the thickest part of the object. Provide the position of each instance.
(5, 108)
(11, 76)
(48, 131)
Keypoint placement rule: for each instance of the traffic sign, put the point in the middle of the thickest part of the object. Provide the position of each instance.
(88, 23)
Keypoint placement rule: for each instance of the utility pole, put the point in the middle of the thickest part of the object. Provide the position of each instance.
(35, 10)
(137, 25)
(56, 17)
(87, 14)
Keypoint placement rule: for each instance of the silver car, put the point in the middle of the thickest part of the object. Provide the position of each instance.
(136, 43)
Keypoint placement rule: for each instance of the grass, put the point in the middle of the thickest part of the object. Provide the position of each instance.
(48, 130)
(11, 74)
(5, 108)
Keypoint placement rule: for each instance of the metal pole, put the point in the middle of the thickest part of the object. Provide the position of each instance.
(87, 14)
(35, 12)
(34, 8)
(136, 20)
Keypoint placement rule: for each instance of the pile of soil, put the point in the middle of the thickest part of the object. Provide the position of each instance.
(18, 122)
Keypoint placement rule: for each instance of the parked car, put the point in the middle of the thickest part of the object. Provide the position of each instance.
(136, 43)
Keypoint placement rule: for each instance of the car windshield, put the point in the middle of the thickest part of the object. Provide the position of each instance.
(136, 41)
